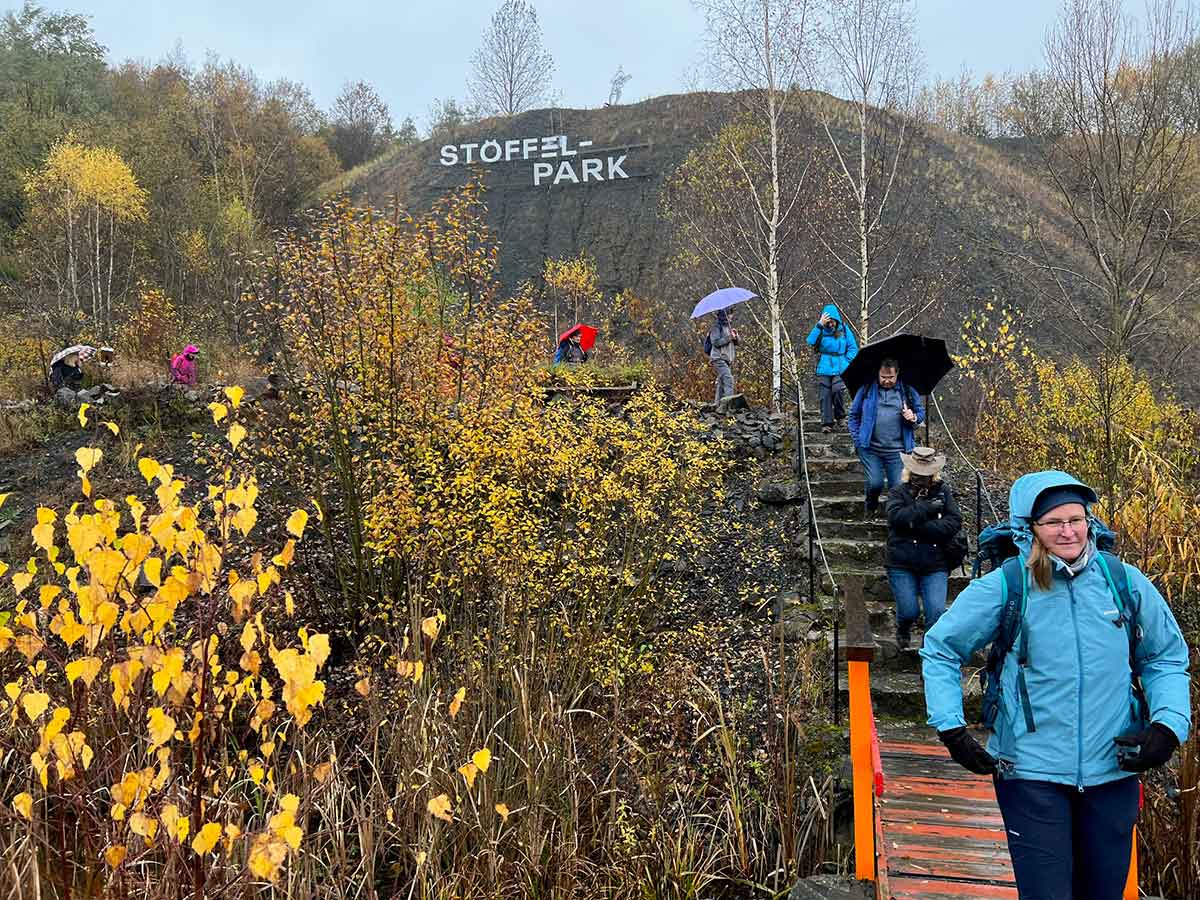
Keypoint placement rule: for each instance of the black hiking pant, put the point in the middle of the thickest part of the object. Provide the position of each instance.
(1068, 844)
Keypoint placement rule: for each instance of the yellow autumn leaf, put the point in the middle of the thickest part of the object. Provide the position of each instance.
(321, 772)
(235, 394)
(469, 771)
(439, 807)
(482, 758)
(115, 855)
(219, 411)
(83, 408)
(431, 626)
(149, 468)
(21, 581)
(23, 803)
(296, 522)
(88, 458)
(411, 670)
(35, 704)
(206, 838)
(363, 686)
(160, 725)
(236, 434)
(502, 810)
(86, 668)
(456, 704)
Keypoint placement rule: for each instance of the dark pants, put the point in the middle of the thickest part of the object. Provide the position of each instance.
(832, 392)
(1068, 844)
(875, 466)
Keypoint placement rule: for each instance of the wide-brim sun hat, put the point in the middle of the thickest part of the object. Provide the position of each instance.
(924, 461)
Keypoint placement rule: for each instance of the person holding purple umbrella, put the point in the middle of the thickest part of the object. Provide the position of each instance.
(721, 344)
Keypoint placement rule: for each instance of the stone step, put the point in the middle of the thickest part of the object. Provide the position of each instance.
(903, 694)
(837, 527)
(843, 506)
(834, 486)
(821, 466)
(846, 550)
(831, 887)
(838, 439)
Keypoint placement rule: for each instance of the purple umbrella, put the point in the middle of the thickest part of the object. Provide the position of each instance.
(722, 299)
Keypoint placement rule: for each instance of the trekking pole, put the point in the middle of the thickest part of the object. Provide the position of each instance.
(927, 396)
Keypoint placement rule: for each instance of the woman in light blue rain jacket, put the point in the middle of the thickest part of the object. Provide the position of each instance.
(1069, 802)
(834, 341)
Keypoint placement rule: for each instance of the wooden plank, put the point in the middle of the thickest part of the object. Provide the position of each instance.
(943, 832)
(931, 889)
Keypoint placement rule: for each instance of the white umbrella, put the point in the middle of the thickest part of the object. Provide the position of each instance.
(85, 352)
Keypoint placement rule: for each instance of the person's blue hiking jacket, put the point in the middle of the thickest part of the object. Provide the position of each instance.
(1077, 672)
(837, 345)
(861, 420)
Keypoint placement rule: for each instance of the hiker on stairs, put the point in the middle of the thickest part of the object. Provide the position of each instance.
(835, 345)
(882, 421)
(923, 525)
(1086, 685)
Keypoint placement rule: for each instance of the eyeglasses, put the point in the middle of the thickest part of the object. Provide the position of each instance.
(1074, 523)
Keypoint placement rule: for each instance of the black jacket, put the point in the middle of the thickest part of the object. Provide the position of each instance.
(920, 529)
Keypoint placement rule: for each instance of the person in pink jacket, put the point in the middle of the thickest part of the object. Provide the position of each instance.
(183, 366)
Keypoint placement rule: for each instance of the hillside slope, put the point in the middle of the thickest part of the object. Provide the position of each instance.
(973, 199)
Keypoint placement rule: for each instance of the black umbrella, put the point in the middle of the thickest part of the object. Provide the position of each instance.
(923, 361)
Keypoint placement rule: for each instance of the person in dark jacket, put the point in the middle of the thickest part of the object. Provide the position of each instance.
(570, 350)
(834, 342)
(922, 521)
(66, 373)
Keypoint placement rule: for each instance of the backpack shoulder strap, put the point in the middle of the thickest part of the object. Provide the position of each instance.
(1013, 598)
(1127, 606)
(1015, 587)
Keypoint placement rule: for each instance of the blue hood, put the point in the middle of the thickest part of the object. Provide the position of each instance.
(833, 312)
(1024, 493)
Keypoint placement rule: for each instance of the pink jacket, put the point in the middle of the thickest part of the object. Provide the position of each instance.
(183, 370)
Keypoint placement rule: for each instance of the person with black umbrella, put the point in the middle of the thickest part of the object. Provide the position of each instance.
(882, 421)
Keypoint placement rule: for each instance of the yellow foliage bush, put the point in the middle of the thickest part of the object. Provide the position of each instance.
(152, 331)
(154, 702)
(23, 360)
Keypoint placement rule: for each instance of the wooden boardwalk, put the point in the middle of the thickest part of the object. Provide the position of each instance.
(939, 831)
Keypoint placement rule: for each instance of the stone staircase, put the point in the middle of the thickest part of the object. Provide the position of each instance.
(854, 550)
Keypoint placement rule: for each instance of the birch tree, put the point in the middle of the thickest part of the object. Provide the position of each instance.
(756, 48)
(874, 64)
(82, 201)
(511, 70)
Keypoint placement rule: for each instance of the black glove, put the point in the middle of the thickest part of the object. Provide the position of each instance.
(937, 506)
(965, 751)
(1147, 749)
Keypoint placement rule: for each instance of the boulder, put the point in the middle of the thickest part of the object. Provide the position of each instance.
(778, 492)
(65, 397)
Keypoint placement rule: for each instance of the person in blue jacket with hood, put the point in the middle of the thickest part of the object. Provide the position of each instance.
(835, 343)
(1068, 797)
(883, 420)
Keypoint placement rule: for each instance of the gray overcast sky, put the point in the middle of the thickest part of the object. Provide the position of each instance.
(415, 50)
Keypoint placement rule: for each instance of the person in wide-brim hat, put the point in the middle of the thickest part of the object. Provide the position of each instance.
(923, 523)
(924, 461)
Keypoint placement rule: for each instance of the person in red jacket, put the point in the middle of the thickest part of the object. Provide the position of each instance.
(183, 366)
